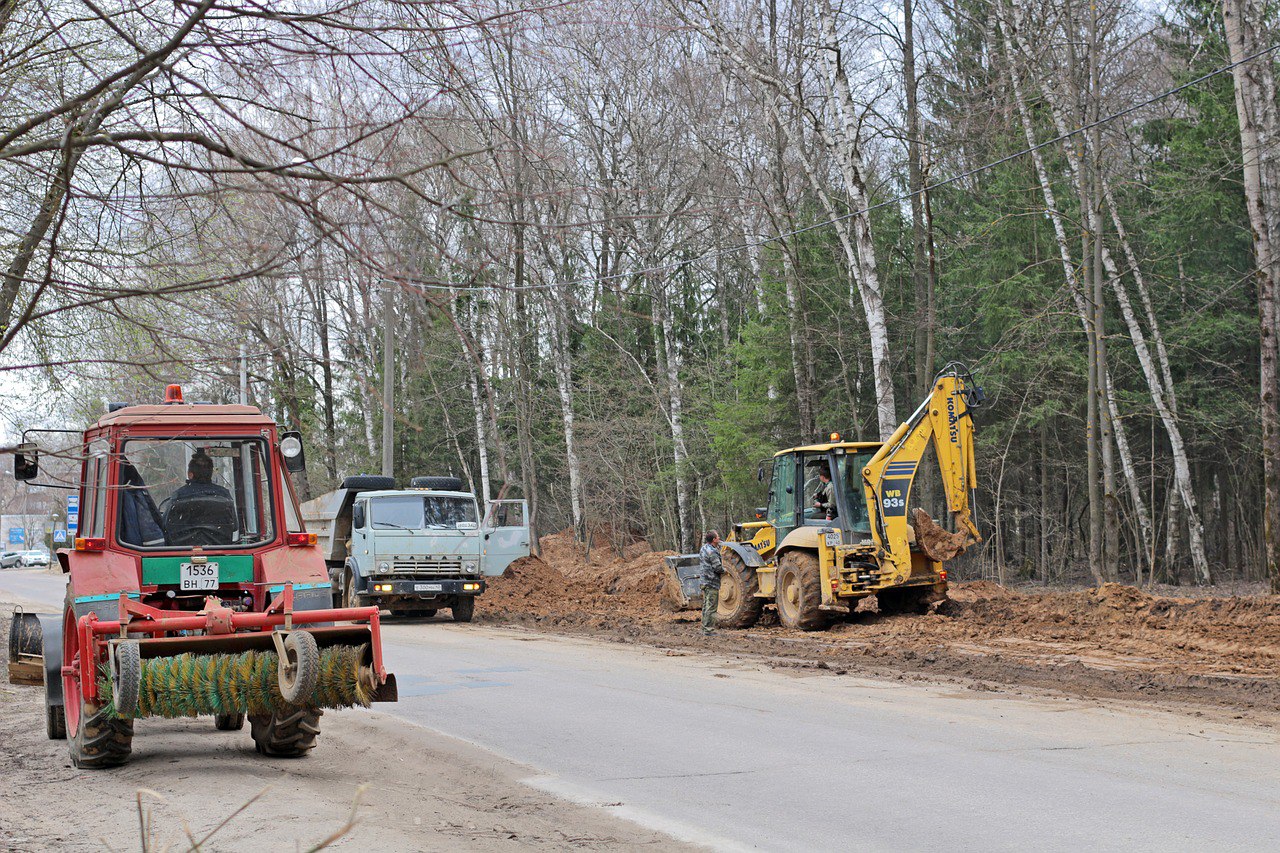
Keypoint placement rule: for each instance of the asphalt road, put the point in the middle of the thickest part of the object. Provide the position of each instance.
(739, 756)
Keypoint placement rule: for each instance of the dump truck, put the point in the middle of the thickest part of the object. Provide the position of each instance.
(836, 527)
(193, 588)
(414, 551)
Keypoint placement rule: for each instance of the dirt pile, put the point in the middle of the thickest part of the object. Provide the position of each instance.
(1114, 640)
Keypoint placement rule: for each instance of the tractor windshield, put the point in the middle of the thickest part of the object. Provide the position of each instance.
(419, 512)
(186, 492)
(855, 495)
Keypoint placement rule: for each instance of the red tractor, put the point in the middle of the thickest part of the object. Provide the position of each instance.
(193, 588)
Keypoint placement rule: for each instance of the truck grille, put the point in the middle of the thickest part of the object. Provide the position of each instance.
(426, 566)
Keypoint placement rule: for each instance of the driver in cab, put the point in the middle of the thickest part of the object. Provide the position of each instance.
(200, 512)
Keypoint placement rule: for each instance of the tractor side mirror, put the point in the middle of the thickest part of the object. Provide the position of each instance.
(760, 474)
(291, 449)
(26, 462)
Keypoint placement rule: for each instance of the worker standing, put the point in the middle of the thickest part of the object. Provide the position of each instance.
(711, 568)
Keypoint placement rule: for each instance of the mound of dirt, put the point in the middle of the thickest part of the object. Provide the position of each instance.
(1114, 640)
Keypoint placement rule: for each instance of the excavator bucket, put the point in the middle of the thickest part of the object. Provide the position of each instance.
(683, 588)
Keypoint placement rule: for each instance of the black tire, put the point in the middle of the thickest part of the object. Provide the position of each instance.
(444, 484)
(464, 609)
(799, 592)
(349, 598)
(286, 734)
(428, 613)
(55, 722)
(102, 741)
(368, 483)
(228, 722)
(299, 668)
(127, 678)
(738, 606)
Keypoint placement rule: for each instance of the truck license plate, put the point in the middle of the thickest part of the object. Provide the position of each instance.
(197, 577)
(428, 587)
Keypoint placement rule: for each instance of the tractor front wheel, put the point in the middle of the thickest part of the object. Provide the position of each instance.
(738, 606)
(799, 593)
(290, 733)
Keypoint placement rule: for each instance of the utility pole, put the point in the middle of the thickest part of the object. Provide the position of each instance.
(244, 376)
(388, 380)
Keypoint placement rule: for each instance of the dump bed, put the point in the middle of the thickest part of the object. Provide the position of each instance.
(329, 517)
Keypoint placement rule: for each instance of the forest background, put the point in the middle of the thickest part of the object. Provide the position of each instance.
(627, 250)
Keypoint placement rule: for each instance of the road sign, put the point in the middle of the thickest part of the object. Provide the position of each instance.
(73, 503)
(59, 535)
(17, 536)
(73, 521)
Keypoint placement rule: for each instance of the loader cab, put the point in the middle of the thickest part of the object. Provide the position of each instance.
(796, 480)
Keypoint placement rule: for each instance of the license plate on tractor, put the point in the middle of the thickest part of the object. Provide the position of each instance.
(428, 587)
(197, 577)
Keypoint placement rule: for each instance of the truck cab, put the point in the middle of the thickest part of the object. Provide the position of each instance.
(417, 550)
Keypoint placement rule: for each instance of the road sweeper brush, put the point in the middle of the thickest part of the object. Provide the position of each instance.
(193, 589)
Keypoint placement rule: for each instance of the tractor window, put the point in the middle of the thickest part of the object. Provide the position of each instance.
(185, 493)
(855, 498)
(782, 497)
(95, 493)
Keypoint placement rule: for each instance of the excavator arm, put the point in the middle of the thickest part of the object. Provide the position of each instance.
(944, 420)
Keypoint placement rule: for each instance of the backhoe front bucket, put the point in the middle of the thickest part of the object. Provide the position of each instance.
(683, 587)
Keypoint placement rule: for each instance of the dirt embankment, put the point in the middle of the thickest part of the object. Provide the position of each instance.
(1113, 641)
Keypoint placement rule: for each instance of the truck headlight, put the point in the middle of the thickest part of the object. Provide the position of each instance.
(470, 566)
(384, 566)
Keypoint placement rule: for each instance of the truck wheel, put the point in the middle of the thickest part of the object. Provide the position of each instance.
(228, 722)
(443, 484)
(800, 592)
(349, 591)
(299, 668)
(285, 734)
(368, 483)
(738, 606)
(463, 608)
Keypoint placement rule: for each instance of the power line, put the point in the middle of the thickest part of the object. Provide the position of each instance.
(764, 241)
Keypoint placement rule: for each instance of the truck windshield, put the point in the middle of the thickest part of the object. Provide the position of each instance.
(422, 512)
(187, 492)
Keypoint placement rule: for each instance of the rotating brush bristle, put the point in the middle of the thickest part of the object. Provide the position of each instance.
(189, 685)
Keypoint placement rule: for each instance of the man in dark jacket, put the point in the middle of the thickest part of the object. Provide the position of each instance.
(200, 512)
(712, 568)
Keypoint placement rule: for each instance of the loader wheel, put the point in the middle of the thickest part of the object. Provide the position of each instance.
(100, 740)
(127, 678)
(463, 608)
(228, 722)
(299, 668)
(800, 592)
(55, 722)
(290, 733)
(738, 606)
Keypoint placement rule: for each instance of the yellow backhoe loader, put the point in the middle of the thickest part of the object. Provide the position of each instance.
(816, 549)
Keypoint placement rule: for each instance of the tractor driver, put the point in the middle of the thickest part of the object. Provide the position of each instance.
(824, 499)
(200, 512)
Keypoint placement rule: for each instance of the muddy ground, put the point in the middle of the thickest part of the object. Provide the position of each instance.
(1190, 651)
(417, 791)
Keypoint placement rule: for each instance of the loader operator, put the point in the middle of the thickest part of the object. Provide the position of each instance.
(824, 499)
(711, 568)
(200, 512)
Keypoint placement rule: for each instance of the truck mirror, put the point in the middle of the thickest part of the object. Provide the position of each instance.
(26, 462)
(291, 449)
(357, 516)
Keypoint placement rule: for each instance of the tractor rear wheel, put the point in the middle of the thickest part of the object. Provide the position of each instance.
(799, 592)
(463, 609)
(290, 733)
(228, 722)
(738, 606)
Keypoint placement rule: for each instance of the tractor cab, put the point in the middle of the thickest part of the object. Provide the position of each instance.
(820, 485)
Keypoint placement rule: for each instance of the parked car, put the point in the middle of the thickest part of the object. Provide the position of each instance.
(33, 558)
(9, 559)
